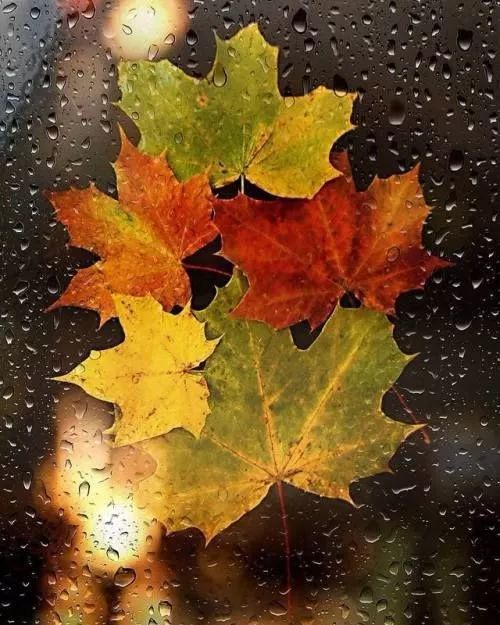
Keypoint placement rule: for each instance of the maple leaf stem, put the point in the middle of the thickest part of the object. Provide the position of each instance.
(286, 538)
(209, 269)
(409, 411)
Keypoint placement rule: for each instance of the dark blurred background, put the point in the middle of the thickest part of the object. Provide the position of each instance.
(423, 545)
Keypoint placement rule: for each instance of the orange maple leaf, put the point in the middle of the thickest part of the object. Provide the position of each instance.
(301, 256)
(142, 238)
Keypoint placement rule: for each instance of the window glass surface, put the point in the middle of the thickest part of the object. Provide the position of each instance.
(249, 311)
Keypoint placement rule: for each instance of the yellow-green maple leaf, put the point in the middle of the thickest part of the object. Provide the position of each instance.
(235, 121)
(149, 376)
(310, 418)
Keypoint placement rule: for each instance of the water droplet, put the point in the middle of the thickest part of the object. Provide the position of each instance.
(299, 21)
(397, 113)
(124, 577)
(309, 45)
(9, 8)
(165, 609)
(53, 286)
(392, 254)
(339, 86)
(372, 533)
(27, 478)
(72, 19)
(381, 605)
(191, 38)
(456, 160)
(89, 10)
(464, 39)
(463, 324)
(366, 595)
(153, 52)
(219, 76)
(277, 609)
(52, 132)
(112, 554)
(84, 489)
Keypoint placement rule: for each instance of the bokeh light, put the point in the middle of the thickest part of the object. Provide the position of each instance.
(145, 29)
(118, 530)
(91, 485)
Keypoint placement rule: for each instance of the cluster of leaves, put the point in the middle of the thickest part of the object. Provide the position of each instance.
(261, 411)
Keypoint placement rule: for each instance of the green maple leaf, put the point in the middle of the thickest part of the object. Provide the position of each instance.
(235, 122)
(310, 418)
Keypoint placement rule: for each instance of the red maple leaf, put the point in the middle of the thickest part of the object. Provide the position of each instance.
(301, 256)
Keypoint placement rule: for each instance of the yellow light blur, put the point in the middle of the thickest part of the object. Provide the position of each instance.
(145, 29)
(91, 484)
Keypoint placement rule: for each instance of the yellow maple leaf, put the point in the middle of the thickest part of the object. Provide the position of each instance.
(150, 376)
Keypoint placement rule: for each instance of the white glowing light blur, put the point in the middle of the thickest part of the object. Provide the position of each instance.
(118, 531)
(145, 29)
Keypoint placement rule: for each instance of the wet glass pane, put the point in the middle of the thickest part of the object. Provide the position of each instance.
(249, 312)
